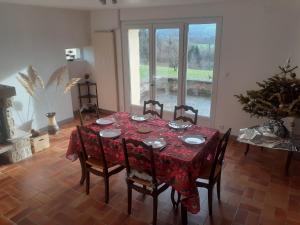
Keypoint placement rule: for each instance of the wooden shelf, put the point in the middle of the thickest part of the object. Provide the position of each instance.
(90, 97)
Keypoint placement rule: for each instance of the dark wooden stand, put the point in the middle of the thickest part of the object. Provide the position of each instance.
(288, 161)
(89, 96)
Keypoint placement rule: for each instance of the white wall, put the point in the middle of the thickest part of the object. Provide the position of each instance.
(108, 20)
(105, 69)
(105, 20)
(78, 69)
(257, 36)
(39, 36)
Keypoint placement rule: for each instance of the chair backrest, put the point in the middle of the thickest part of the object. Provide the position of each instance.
(186, 118)
(91, 139)
(153, 112)
(142, 155)
(220, 153)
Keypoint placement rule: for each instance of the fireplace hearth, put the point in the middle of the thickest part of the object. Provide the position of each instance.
(7, 126)
(14, 143)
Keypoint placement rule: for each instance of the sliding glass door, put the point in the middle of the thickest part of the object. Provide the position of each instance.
(200, 63)
(174, 63)
(167, 69)
(139, 65)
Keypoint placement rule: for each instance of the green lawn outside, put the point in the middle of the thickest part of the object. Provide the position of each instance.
(192, 74)
(205, 47)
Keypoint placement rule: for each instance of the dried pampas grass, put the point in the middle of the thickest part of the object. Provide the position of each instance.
(71, 84)
(57, 76)
(26, 79)
(35, 78)
(26, 85)
(31, 81)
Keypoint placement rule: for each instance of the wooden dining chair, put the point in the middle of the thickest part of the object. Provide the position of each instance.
(186, 118)
(211, 174)
(81, 114)
(153, 112)
(98, 166)
(142, 180)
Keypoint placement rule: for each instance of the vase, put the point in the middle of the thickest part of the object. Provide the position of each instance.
(53, 127)
(277, 127)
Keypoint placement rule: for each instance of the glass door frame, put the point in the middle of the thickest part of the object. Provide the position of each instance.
(180, 27)
(126, 65)
(182, 24)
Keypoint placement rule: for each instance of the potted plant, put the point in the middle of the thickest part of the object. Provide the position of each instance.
(277, 98)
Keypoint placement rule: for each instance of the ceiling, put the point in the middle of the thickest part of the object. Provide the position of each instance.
(95, 4)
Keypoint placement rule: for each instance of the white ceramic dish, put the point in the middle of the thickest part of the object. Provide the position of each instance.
(156, 143)
(179, 125)
(110, 133)
(105, 121)
(139, 118)
(193, 139)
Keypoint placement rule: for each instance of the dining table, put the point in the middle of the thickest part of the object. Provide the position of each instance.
(179, 164)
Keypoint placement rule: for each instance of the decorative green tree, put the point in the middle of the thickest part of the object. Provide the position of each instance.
(279, 96)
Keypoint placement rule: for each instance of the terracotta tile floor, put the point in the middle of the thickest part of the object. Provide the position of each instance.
(45, 190)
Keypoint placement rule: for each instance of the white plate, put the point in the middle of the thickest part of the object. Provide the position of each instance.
(110, 133)
(193, 139)
(139, 118)
(156, 143)
(105, 121)
(179, 124)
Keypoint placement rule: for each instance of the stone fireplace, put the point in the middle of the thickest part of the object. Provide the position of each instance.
(14, 143)
(7, 125)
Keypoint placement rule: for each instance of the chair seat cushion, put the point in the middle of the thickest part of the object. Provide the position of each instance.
(141, 178)
(97, 163)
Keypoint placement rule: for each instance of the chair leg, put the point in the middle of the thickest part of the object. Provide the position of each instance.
(173, 197)
(106, 181)
(87, 175)
(82, 179)
(154, 210)
(129, 199)
(179, 198)
(210, 195)
(174, 202)
(82, 164)
(219, 188)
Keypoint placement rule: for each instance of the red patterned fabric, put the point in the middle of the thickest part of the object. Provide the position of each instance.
(178, 164)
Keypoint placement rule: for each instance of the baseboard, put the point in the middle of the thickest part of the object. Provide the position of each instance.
(102, 111)
(105, 111)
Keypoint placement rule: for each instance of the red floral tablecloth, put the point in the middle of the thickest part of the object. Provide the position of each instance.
(178, 164)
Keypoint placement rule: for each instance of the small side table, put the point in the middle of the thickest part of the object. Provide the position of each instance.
(89, 96)
(252, 136)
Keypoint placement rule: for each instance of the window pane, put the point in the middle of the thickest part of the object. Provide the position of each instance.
(139, 65)
(167, 57)
(200, 66)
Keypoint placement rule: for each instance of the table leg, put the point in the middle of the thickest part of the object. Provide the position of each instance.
(247, 149)
(184, 218)
(288, 162)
